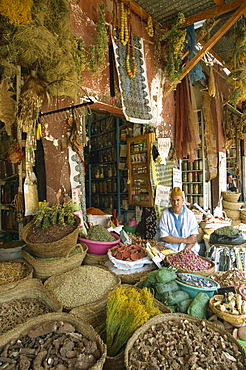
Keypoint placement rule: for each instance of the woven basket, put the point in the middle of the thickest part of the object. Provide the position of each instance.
(59, 248)
(95, 259)
(176, 318)
(205, 273)
(82, 285)
(233, 319)
(232, 214)
(12, 284)
(233, 206)
(44, 268)
(80, 327)
(95, 315)
(230, 196)
(30, 288)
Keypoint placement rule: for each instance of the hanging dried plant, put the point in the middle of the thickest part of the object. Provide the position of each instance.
(8, 106)
(33, 94)
(18, 12)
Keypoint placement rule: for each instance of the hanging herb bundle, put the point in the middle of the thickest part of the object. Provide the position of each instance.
(175, 38)
(237, 65)
(127, 310)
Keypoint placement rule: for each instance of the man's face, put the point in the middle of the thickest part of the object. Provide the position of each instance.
(177, 203)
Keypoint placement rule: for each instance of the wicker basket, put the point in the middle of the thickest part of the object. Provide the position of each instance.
(59, 248)
(205, 273)
(82, 285)
(232, 214)
(233, 206)
(12, 284)
(30, 288)
(80, 327)
(176, 318)
(95, 315)
(95, 259)
(230, 196)
(44, 268)
(233, 319)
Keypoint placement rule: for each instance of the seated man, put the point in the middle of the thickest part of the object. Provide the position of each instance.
(178, 227)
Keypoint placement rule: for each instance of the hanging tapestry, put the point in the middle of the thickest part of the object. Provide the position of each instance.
(134, 90)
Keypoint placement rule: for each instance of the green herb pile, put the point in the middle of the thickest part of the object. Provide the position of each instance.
(100, 234)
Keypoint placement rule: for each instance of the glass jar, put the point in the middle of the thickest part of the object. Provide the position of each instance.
(190, 188)
(190, 176)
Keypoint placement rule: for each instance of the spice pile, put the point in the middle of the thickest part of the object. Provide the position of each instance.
(128, 252)
(17, 311)
(181, 344)
(82, 285)
(189, 260)
(11, 271)
(52, 345)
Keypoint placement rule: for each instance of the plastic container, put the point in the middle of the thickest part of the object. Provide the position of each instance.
(95, 247)
(193, 290)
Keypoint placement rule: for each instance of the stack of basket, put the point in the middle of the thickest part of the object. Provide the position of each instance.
(231, 206)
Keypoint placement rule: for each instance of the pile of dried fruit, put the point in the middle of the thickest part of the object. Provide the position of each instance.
(182, 344)
(53, 345)
(189, 260)
(128, 252)
(18, 311)
(13, 271)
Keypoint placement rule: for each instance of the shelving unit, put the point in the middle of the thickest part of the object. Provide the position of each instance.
(194, 184)
(106, 179)
(138, 156)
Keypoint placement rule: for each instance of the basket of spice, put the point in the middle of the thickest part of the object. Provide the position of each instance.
(230, 307)
(99, 240)
(46, 267)
(67, 343)
(14, 271)
(118, 316)
(53, 232)
(29, 299)
(188, 261)
(82, 285)
(150, 345)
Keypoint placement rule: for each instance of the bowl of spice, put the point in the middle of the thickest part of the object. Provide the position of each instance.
(99, 240)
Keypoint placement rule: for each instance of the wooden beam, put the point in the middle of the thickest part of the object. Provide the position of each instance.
(214, 12)
(226, 26)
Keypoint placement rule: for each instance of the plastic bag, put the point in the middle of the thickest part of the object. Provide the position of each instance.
(198, 306)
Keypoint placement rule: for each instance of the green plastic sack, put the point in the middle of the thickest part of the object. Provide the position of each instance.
(199, 305)
(161, 288)
(172, 298)
(182, 306)
(165, 275)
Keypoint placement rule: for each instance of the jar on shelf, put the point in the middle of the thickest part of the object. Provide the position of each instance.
(196, 165)
(195, 189)
(184, 176)
(189, 165)
(190, 176)
(190, 188)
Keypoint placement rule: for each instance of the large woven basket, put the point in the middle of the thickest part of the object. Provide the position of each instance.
(83, 285)
(80, 327)
(30, 288)
(230, 196)
(233, 319)
(44, 268)
(13, 264)
(232, 205)
(232, 214)
(176, 319)
(206, 273)
(59, 248)
(95, 315)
